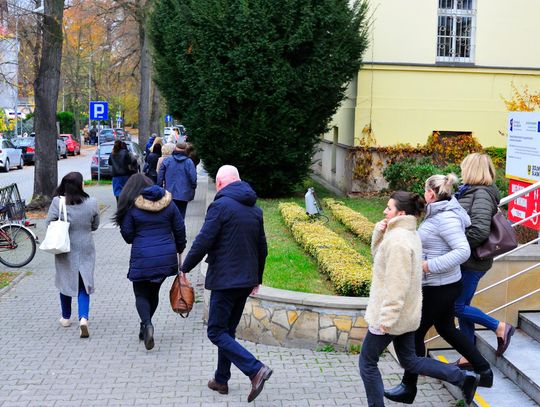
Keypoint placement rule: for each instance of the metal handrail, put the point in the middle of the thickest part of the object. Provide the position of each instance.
(502, 202)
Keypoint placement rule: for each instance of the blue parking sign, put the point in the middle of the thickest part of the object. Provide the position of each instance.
(99, 111)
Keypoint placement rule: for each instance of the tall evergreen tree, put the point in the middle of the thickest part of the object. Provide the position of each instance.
(257, 82)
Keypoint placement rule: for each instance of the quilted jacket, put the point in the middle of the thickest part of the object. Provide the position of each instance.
(480, 202)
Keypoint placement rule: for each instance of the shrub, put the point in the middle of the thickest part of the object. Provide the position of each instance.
(257, 82)
(498, 155)
(354, 221)
(67, 122)
(348, 270)
(411, 175)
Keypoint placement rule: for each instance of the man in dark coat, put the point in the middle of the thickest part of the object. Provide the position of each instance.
(233, 237)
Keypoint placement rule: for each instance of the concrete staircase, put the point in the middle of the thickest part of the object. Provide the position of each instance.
(516, 373)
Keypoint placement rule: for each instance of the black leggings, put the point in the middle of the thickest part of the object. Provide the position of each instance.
(438, 311)
(146, 299)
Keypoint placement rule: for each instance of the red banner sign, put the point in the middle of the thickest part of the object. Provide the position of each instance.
(524, 206)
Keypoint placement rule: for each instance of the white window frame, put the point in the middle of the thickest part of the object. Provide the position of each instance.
(455, 13)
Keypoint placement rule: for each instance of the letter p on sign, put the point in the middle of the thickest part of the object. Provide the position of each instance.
(99, 111)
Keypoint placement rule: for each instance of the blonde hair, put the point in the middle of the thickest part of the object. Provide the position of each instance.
(157, 140)
(477, 169)
(442, 185)
(167, 149)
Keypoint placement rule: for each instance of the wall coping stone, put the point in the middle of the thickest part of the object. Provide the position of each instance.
(529, 253)
(308, 299)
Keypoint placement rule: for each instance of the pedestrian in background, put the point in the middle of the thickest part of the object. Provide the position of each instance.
(120, 162)
(152, 224)
(166, 151)
(149, 143)
(191, 153)
(75, 269)
(395, 302)
(93, 135)
(444, 248)
(152, 161)
(233, 238)
(480, 198)
(178, 176)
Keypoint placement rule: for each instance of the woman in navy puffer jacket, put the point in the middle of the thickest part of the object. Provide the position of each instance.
(152, 224)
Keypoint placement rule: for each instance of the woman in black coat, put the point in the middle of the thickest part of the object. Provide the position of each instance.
(151, 223)
(480, 198)
(120, 162)
(151, 161)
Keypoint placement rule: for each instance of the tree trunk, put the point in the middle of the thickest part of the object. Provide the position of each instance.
(46, 87)
(154, 118)
(144, 94)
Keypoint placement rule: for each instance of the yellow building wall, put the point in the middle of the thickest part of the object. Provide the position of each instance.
(406, 104)
(406, 32)
(507, 33)
(396, 34)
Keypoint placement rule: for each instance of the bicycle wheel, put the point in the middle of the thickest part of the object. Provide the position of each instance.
(17, 245)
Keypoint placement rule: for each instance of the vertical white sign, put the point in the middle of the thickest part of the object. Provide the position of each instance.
(523, 146)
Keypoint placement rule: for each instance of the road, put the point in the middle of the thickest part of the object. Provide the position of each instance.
(25, 178)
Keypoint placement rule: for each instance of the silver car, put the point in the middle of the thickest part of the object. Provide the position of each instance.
(10, 156)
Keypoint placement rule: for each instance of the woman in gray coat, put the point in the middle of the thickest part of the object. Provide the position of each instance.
(75, 269)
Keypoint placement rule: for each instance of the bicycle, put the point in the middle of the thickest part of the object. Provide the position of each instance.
(17, 243)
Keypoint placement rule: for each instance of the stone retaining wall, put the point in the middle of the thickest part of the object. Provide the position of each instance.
(301, 320)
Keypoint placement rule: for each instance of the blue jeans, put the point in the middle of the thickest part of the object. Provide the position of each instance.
(468, 315)
(83, 301)
(225, 311)
(374, 345)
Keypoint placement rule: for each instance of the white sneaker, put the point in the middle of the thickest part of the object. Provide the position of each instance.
(65, 322)
(83, 327)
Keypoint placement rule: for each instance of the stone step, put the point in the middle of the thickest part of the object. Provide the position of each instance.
(529, 322)
(520, 362)
(504, 392)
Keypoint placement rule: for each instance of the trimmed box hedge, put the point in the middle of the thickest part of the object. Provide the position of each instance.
(349, 271)
(354, 221)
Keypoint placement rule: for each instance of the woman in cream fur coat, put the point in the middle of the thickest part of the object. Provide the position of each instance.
(395, 302)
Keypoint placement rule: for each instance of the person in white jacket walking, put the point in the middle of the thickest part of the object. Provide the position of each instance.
(395, 302)
(444, 248)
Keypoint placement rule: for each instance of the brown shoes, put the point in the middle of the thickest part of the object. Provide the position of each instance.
(502, 343)
(257, 382)
(219, 387)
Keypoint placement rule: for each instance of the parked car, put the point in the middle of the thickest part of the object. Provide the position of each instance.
(122, 135)
(72, 145)
(27, 145)
(104, 151)
(106, 135)
(61, 148)
(10, 156)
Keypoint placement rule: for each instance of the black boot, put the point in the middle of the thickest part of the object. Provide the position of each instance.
(149, 336)
(486, 378)
(402, 393)
(141, 332)
(468, 388)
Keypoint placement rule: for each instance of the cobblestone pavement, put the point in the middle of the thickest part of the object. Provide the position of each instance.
(43, 364)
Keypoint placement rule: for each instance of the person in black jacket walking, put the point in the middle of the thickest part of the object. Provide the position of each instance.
(151, 161)
(119, 161)
(233, 237)
(480, 198)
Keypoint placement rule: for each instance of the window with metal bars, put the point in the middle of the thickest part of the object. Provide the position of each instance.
(456, 31)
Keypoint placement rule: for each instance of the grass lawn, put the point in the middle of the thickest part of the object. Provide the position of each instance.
(6, 278)
(288, 266)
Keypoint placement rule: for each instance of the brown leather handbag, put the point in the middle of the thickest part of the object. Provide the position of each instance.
(182, 295)
(502, 238)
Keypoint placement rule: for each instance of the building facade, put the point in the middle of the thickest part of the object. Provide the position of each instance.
(435, 65)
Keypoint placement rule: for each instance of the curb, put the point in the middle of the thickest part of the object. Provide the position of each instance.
(15, 281)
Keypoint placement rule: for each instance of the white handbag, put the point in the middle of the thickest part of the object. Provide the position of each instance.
(57, 237)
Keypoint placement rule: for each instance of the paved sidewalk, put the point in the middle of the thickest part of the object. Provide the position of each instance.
(43, 364)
